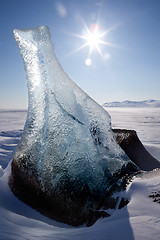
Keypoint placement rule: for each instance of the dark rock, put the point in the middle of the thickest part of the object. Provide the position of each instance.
(155, 196)
(133, 147)
(123, 203)
(94, 216)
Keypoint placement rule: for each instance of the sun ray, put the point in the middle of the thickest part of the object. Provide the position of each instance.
(108, 44)
(78, 49)
(85, 25)
(99, 51)
(90, 51)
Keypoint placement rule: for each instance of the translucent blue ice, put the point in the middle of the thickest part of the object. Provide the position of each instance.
(67, 135)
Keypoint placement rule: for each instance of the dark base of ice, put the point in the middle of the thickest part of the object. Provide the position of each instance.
(73, 207)
(68, 205)
(79, 206)
(133, 147)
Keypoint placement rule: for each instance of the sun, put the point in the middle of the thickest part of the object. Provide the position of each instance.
(93, 38)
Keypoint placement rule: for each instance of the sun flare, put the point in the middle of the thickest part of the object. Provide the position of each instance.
(93, 38)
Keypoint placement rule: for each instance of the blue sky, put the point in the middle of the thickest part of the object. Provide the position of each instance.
(129, 67)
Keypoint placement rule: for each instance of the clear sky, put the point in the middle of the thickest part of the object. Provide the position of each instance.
(125, 64)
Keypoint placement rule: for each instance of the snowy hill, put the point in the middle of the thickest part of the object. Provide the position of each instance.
(147, 103)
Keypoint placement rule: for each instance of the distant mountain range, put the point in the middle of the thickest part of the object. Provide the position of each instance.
(140, 104)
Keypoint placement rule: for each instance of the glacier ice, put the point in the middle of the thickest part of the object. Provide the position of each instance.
(67, 150)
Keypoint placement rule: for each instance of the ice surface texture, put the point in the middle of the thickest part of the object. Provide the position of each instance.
(67, 146)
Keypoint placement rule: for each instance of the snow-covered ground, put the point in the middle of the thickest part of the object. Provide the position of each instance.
(139, 220)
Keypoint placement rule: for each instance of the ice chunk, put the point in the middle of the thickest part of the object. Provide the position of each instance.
(67, 146)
